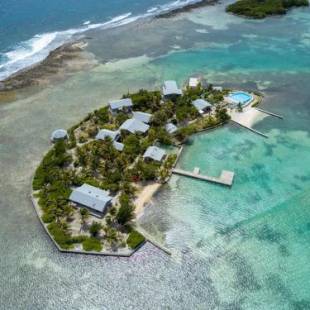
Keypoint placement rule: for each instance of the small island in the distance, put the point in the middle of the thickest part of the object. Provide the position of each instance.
(262, 8)
(101, 172)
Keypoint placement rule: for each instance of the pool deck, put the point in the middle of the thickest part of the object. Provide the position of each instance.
(236, 97)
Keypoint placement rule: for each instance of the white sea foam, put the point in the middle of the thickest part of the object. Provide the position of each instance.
(37, 48)
(152, 10)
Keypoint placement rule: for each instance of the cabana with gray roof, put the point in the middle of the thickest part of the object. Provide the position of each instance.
(93, 198)
(124, 105)
(171, 128)
(104, 133)
(142, 116)
(218, 88)
(170, 89)
(154, 153)
(118, 146)
(134, 126)
(202, 106)
(193, 82)
(59, 134)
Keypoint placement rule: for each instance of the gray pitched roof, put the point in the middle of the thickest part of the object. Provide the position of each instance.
(119, 104)
(119, 146)
(201, 104)
(171, 88)
(103, 133)
(134, 126)
(142, 116)
(59, 134)
(171, 128)
(154, 153)
(91, 197)
(193, 82)
(219, 88)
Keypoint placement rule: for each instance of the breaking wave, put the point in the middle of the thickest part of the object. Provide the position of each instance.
(32, 51)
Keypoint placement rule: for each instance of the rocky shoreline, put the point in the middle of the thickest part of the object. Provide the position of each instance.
(68, 57)
(186, 8)
(63, 57)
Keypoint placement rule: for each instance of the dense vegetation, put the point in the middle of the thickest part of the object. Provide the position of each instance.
(82, 159)
(263, 8)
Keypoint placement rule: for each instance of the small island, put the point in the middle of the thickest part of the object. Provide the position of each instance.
(100, 173)
(259, 9)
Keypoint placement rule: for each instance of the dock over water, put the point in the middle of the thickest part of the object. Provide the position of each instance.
(226, 177)
(250, 128)
(269, 113)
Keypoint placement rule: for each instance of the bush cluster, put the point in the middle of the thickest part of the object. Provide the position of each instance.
(262, 8)
(135, 239)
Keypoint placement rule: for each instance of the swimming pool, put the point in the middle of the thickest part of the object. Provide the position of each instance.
(240, 97)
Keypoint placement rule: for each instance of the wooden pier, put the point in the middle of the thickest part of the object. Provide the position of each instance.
(250, 128)
(226, 177)
(269, 113)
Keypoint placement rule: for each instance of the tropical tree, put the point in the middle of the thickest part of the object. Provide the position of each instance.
(95, 228)
(131, 145)
(84, 216)
(126, 211)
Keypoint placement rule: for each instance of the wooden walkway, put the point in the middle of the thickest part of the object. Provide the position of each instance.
(226, 177)
(250, 128)
(269, 113)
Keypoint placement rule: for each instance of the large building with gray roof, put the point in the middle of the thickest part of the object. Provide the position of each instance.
(171, 128)
(202, 106)
(124, 105)
(142, 116)
(134, 126)
(170, 89)
(113, 135)
(105, 133)
(154, 153)
(93, 198)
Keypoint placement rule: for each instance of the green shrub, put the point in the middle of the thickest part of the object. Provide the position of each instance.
(61, 236)
(103, 115)
(92, 244)
(145, 100)
(48, 217)
(95, 228)
(135, 239)
(126, 212)
(78, 239)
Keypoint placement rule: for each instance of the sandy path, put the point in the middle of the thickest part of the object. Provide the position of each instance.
(145, 196)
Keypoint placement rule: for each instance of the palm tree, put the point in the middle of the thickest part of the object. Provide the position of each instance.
(111, 235)
(84, 216)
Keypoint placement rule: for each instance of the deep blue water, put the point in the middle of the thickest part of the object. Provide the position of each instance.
(21, 20)
(30, 29)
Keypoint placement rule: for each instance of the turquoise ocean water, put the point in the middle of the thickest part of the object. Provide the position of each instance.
(247, 247)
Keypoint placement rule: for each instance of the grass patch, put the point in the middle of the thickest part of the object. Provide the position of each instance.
(135, 239)
(62, 237)
(92, 244)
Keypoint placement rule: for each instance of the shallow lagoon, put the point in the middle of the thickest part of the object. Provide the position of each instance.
(240, 248)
